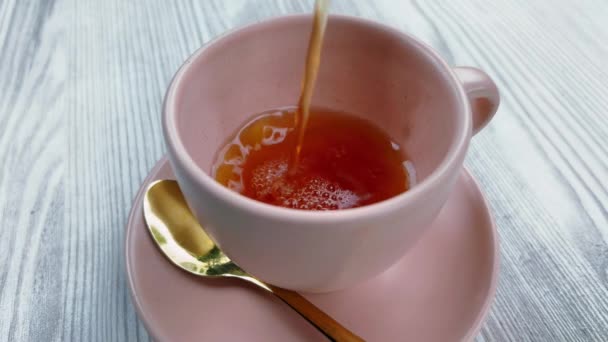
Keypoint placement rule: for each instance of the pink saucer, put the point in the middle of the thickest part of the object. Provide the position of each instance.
(440, 291)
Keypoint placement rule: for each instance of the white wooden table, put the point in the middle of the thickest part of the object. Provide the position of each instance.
(81, 85)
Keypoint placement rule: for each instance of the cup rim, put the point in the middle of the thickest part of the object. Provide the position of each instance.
(177, 149)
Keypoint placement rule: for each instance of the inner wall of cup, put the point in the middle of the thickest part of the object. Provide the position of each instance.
(365, 70)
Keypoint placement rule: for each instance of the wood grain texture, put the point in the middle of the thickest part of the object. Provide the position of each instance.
(81, 85)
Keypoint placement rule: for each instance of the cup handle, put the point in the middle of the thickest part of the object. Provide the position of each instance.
(482, 93)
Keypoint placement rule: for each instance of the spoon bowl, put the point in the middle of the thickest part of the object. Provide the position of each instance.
(182, 239)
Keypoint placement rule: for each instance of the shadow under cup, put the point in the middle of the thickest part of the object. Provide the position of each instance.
(366, 69)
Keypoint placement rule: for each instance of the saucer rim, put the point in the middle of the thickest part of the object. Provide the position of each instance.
(487, 305)
(473, 331)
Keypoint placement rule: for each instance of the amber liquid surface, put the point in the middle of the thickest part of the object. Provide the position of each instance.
(345, 162)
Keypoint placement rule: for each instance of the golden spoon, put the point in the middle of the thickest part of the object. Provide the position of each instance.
(184, 242)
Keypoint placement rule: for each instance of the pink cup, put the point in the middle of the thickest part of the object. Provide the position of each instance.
(367, 69)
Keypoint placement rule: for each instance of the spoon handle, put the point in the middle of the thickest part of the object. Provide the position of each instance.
(327, 325)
